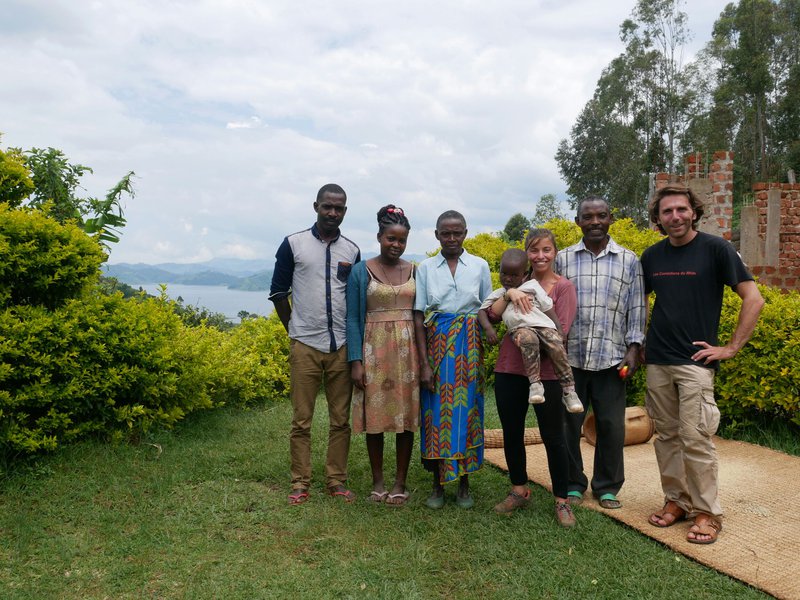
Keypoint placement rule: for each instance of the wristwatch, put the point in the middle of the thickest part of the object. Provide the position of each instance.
(505, 296)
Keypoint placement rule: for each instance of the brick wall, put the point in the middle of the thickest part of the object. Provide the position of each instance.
(770, 229)
(781, 266)
(713, 184)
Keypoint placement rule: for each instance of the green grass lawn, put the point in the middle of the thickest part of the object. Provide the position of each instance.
(200, 512)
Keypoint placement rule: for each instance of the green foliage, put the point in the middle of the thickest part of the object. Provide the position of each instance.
(108, 219)
(566, 232)
(627, 234)
(56, 182)
(516, 228)
(254, 364)
(547, 209)
(44, 263)
(90, 365)
(489, 247)
(77, 358)
(115, 366)
(762, 378)
(15, 178)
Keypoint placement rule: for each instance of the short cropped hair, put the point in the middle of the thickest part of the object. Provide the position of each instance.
(451, 215)
(331, 188)
(514, 257)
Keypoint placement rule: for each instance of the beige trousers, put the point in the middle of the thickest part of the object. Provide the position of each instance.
(308, 369)
(680, 399)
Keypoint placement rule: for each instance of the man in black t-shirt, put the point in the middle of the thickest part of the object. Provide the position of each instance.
(688, 272)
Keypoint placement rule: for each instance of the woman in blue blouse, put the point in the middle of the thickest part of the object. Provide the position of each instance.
(450, 288)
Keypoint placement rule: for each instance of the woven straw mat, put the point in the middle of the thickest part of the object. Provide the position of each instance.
(760, 540)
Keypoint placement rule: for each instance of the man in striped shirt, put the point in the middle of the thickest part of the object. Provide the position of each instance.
(602, 346)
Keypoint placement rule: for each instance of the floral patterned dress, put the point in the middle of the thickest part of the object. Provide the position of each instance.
(390, 402)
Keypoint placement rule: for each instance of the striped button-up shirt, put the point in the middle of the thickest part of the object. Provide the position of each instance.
(611, 304)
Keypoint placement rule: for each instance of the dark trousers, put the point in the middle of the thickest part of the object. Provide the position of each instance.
(511, 395)
(604, 391)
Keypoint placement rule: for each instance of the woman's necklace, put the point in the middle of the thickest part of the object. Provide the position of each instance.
(395, 288)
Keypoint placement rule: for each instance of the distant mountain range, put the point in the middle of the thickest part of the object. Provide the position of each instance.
(234, 273)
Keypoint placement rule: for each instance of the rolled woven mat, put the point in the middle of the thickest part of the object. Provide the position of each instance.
(493, 438)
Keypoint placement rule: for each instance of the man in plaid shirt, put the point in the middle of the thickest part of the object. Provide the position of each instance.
(602, 346)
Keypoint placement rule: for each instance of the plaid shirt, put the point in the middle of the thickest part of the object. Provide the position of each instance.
(611, 304)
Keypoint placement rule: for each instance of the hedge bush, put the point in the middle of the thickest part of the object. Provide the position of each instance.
(110, 365)
(762, 377)
(44, 263)
(76, 361)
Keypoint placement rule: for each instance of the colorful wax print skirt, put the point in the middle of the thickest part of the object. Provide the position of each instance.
(452, 416)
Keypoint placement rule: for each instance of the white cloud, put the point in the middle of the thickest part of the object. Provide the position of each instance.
(251, 123)
(233, 113)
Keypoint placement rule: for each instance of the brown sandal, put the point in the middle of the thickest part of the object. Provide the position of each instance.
(670, 514)
(704, 525)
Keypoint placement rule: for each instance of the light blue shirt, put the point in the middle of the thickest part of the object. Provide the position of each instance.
(439, 291)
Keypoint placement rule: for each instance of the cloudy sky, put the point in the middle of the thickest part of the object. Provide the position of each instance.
(233, 113)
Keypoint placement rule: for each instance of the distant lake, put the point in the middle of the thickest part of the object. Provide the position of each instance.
(216, 298)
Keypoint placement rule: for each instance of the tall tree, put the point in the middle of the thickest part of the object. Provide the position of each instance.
(753, 104)
(632, 124)
(516, 228)
(547, 209)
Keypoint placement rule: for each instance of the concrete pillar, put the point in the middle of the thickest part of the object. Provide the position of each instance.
(752, 248)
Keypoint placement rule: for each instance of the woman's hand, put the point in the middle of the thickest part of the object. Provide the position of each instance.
(426, 376)
(520, 300)
(358, 375)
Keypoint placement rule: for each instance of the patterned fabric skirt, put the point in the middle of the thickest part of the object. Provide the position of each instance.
(452, 416)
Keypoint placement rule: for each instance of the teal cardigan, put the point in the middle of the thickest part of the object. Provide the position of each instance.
(356, 296)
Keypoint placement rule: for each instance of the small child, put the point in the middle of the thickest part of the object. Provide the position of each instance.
(529, 330)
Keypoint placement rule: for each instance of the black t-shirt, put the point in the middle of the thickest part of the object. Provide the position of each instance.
(688, 282)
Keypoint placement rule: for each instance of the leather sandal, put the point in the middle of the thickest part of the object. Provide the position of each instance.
(670, 514)
(704, 524)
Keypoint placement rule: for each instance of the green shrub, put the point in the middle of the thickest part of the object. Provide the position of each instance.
(114, 366)
(762, 377)
(44, 263)
(627, 234)
(489, 247)
(96, 364)
(566, 232)
(256, 367)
